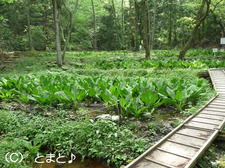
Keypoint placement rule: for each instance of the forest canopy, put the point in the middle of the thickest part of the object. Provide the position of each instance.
(111, 25)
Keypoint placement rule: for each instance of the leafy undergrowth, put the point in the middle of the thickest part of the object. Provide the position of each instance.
(89, 138)
(117, 63)
(137, 96)
(159, 64)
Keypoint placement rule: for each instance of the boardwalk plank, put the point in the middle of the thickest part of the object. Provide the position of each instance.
(201, 125)
(206, 120)
(178, 148)
(187, 140)
(194, 132)
(213, 109)
(168, 159)
(147, 164)
(210, 116)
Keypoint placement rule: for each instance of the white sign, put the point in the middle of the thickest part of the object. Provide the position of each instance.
(215, 50)
(222, 41)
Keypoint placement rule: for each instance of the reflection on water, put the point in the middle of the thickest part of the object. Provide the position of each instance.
(88, 163)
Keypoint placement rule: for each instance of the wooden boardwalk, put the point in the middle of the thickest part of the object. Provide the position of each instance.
(182, 147)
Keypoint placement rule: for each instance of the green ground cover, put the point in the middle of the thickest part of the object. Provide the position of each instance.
(34, 92)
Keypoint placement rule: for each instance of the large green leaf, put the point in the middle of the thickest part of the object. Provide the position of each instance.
(62, 97)
(145, 97)
(179, 95)
(122, 102)
(154, 98)
(81, 95)
(170, 92)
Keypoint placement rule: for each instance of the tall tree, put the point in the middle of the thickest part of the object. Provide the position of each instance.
(69, 31)
(45, 23)
(29, 27)
(57, 33)
(130, 25)
(183, 29)
(94, 19)
(145, 30)
(122, 11)
(136, 25)
(149, 25)
(170, 23)
(116, 21)
(154, 25)
(199, 19)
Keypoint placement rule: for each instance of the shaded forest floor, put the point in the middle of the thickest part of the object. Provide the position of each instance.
(120, 64)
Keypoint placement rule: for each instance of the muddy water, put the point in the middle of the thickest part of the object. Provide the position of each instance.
(88, 163)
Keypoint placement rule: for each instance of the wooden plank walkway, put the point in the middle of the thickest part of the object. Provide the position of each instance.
(182, 147)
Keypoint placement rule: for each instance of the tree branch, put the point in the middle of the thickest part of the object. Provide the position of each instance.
(70, 13)
(212, 11)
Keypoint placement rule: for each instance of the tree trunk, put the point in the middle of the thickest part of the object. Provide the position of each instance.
(45, 24)
(170, 26)
(69, 32)
(222, 28)
(149, 25)
(145, 30)
(114, 11)
(61, 30)
(29, 27)
(94, 19)
(199, 20)
(130, 25)
(154, 21)
(122, 11)
(136, 26)
(203, 32)
(183, 28)
(57, 33)
(175, 17)
(116, 22)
